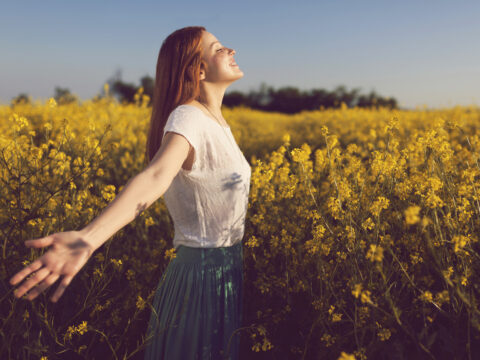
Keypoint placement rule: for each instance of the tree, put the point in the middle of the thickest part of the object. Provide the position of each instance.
(63, 96)
(234, 98)
(148, 84)
(21, 98)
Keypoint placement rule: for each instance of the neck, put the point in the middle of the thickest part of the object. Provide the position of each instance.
(211, 95)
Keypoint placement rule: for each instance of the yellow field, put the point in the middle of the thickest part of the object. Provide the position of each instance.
(362, 234)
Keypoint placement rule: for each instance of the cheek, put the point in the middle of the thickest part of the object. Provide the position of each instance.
(219, 65)
(218, 61)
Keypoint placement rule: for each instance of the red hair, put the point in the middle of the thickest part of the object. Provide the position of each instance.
(177, 80)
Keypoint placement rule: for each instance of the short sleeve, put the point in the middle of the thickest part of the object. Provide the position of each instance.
(186, 123)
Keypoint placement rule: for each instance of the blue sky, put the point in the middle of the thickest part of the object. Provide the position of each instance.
(420, 52)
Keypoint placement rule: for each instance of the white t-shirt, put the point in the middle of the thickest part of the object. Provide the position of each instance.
(208, 204)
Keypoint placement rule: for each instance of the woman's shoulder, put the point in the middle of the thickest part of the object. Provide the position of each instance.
(191, 104)
(184, 113)
(187, 108)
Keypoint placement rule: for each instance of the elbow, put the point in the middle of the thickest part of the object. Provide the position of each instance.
(159, 179)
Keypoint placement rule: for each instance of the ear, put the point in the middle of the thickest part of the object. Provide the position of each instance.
(203, 65)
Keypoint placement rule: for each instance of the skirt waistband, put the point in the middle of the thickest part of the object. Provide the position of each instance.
(230, 255)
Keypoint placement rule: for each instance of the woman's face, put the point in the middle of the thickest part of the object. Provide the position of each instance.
(221, 66)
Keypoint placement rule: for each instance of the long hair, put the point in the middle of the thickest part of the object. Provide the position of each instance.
(177, 80)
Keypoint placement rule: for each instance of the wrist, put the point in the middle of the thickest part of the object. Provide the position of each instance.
(88, 235)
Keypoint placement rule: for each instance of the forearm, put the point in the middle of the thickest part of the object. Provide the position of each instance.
(139, 193)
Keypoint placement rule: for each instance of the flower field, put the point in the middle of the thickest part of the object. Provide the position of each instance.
(361, 239)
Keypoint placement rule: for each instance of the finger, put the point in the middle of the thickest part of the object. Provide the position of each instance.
(49, 280)
(27, 285)
(41, 242)
(61, 288)
(27, 270)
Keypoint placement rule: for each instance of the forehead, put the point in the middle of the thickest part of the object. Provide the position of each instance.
(208, 38)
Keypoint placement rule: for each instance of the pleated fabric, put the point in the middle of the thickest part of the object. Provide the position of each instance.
(198, 306)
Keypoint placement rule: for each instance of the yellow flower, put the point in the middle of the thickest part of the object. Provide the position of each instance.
(392, 124)
(368, 224)
(384, 334)
(426, 296)
(346, 356)
(335, 208)
(140, 303)
(91, 125)
(108, 192)
(130, 274)
(411, 215)
(433, 201)
(447, 273)
(357, 290)
(19, 122)
(460, 241)
(252, 242)
(328, 339)
(415, 257)
(52, 103)
(330, 311)
(378, 205)
(82, 328)
(360, 353)
(97, 272)
(149, 221)
(442, 297)
(302, 154)
(170, 254)
(324, 130)
(363, 244)
(336, 317)
(117, 263)
(365, 297)
(375, 253)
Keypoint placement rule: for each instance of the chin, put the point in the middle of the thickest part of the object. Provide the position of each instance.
(240, 75)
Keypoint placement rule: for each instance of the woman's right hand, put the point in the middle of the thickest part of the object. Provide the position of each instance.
(68, 254)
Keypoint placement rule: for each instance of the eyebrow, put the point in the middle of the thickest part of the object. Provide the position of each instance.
(214, 43)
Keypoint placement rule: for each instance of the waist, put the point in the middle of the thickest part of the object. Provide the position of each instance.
(229, 255)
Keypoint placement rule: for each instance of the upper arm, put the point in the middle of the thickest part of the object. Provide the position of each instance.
(170, 156)
(182, 135)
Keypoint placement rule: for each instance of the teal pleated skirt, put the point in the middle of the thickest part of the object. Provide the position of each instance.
(197, 308)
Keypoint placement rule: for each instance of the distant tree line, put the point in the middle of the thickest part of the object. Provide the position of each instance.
(291, 100)
(287, 99)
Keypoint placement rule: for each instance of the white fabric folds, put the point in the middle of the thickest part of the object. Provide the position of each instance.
(209, 203)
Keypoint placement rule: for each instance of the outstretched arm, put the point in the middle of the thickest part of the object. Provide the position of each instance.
(140, 192)
(71, 250)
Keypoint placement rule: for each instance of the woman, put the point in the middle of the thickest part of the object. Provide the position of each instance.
(194, 161)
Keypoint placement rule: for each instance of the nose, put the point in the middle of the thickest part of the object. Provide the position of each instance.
(232, 51)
